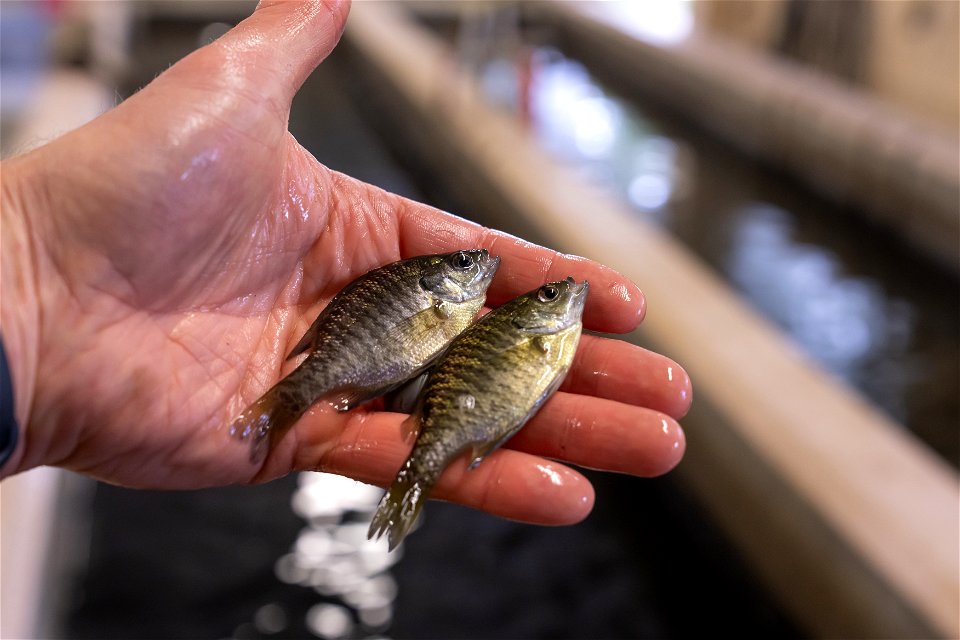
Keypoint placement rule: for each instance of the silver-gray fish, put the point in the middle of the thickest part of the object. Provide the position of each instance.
(382, 329)
(485, 387)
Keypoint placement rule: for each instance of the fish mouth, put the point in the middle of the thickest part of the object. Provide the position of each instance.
(578, 296)
(580, 289)
(488, 263)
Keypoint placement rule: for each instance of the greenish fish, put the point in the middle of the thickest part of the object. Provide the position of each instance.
(490, 381)
(382, 329)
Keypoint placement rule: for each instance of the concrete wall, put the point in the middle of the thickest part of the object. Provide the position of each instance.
(911, 48)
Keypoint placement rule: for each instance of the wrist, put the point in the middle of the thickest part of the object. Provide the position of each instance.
(19, 308)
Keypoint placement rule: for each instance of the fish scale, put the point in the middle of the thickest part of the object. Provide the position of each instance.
(363, 322)
(382, 329)
(489, 382)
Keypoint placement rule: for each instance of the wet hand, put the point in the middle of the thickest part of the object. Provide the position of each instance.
(159, 263)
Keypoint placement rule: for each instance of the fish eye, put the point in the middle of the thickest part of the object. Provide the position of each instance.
(548, 293)
(462, 260)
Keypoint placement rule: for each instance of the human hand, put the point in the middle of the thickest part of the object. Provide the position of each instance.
(159, 263)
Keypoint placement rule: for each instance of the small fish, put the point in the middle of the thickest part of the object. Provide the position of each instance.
(382, 329)
(491, 380)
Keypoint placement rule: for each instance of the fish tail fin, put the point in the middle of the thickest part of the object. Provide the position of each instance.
(265, 422)
(400, 506)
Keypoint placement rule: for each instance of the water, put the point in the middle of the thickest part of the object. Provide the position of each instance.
(850, 295)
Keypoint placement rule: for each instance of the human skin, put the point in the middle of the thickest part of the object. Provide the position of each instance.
(159, 262)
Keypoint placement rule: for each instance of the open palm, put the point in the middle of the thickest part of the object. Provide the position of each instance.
(174, 249)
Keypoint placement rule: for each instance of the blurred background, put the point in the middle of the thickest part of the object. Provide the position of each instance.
(780, 177)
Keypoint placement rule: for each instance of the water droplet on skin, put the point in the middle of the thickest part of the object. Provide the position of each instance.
(554, 477)
(675, 441)
(681, 380)
(199, 162)
(466, 401)
(599, 380)
(621, 292)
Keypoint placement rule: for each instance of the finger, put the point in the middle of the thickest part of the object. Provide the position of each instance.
(624, 372)
(510, 484)
(603, 434)
(519, 486)
(614, 305)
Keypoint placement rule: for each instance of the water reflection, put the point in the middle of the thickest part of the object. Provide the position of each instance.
(663, 21)
(569, 112)
(579, 123)
(842, 319)
(270, 619)
(657, 170)
(333, 556)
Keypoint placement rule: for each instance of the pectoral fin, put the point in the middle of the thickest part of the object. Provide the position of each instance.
(416, 330)
(543, 344)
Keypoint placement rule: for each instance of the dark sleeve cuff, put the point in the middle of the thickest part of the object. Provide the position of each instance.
(9, 430)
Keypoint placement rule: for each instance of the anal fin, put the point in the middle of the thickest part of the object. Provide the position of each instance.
(484, 449)
(403, 399)
(410, 428)
(346, 399)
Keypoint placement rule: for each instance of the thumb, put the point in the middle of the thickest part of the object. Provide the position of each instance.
(202, 138)
(280, 44)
